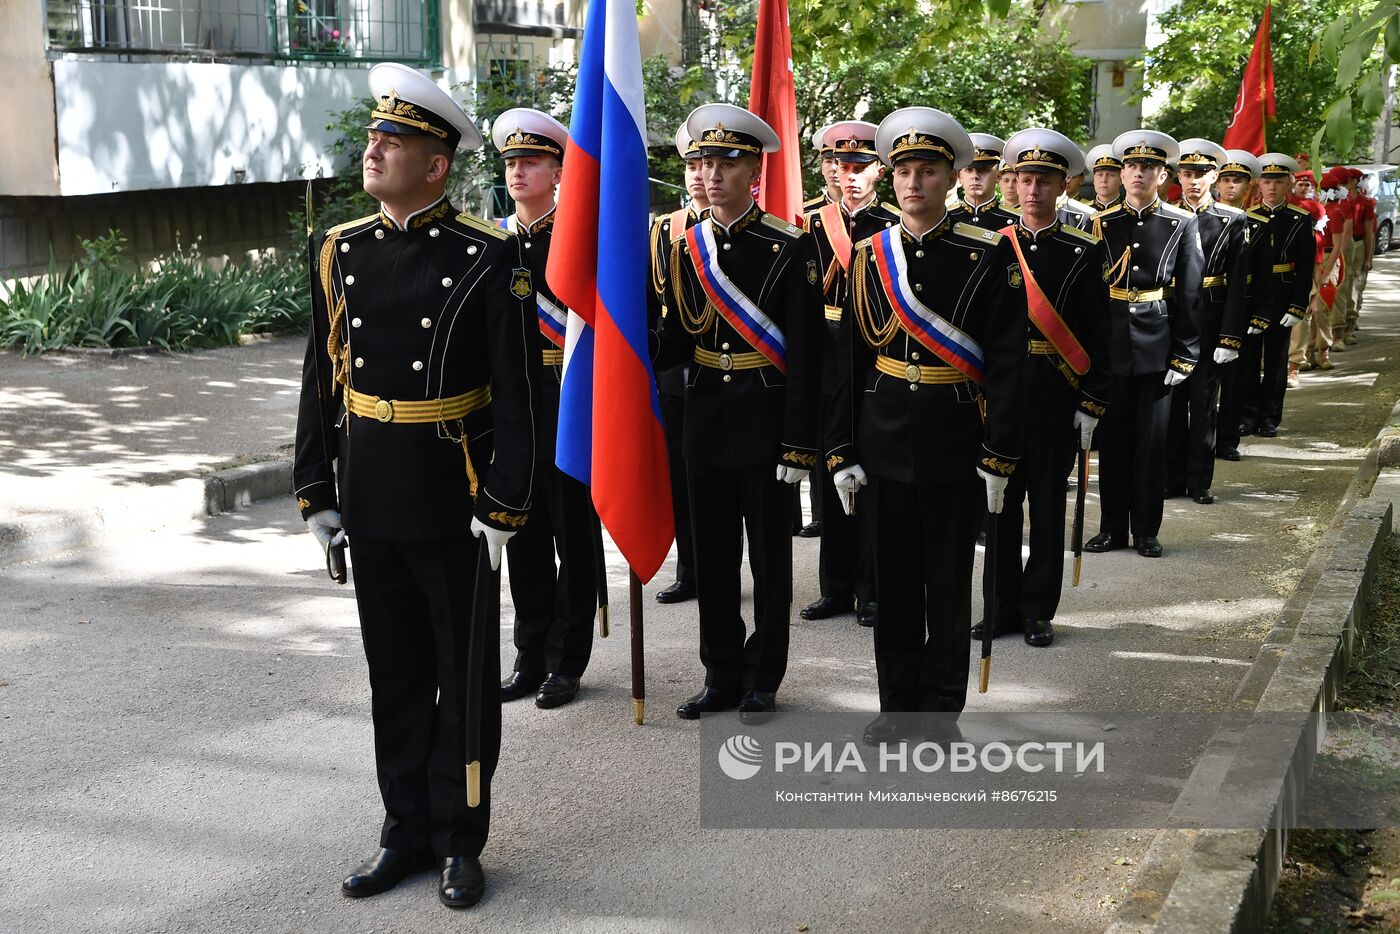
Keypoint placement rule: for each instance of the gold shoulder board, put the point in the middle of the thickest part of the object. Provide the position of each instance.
(1107, 211)
(777, 223)
(1258, 217)
(1300, 210)
(1076, 232)
(339, 228)
(973, 232)
(481, 226)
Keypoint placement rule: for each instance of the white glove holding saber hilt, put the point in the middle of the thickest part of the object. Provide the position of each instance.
(1224, 355)
(1084, 423)
(1173, 377)
(792, 474)
(847, 481)
(1289, 319)
(325, 525)
(996, 490)
(495, 540)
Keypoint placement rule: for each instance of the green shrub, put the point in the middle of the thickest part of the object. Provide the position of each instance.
(178, 302)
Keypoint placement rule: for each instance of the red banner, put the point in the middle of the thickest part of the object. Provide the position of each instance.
(1254, 106)
(773, 97)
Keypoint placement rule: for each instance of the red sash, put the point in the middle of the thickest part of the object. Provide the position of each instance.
(834, 222)
(678, 223)
(1045, 317)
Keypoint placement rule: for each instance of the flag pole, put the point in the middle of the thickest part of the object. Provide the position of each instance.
(639, 670)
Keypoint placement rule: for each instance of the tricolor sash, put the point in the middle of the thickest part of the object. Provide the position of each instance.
(1045, 317)
(834, 223)
(553, 320)
(729, 300)
(946, 340)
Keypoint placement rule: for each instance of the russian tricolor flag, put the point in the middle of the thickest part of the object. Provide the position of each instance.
(610, 433)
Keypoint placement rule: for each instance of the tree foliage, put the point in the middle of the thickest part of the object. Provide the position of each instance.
(1201, 62)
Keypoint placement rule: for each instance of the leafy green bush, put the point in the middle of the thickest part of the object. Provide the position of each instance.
(178, 302)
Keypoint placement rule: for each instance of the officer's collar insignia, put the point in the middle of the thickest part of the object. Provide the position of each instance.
(520, 285)
(1145, 211)
(431, 215)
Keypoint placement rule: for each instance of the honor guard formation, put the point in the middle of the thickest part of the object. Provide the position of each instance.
(934, 346)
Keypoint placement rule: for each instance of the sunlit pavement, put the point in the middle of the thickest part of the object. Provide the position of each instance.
(186, 735)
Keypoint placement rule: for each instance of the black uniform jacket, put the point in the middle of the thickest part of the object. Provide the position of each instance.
(441, 308)
(535, 239)
(748, 417)
(866, 222)
(1282, 251)
(931, 433)
(669, 382)
(1155, 248)
(989, 215)
(1068, 265)
(1224, 232)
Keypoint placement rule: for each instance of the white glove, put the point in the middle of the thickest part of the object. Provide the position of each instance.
(1254, 330)
(996, 490)
(325, 525)
(847, 481)
(1173, 377)
(1289, 319)
(495, 540)
(1225, 355)
(1084, 423)
(792, 474)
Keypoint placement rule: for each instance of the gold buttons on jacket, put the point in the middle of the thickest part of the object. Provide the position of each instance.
(471, 251)
(728, 246)
(724, 346)
(379, 233)
(919, 254)
(345, 248)
(359, 361)
(355, 322)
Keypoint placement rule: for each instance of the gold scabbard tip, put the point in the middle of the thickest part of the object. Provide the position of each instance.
(639, 709)
(1078, 563)
(474, 783)
(986, 674)
(604, 626)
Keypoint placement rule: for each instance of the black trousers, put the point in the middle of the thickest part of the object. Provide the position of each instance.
(419, 603)
(673, 413)
(1192, 429)
(925, 542)
(1033, 591)
(725, 504)
(1132, 455)
(846, 565)
(1265, 376)
(555, 605)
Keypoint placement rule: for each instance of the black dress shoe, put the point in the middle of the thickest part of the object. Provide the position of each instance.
(810, 530)
(866, 612)
(518, 685)
(1105, 541)
(941, 729)
(758, 707)
(1204, 497)
(1246, 429)
(556, 691)
(382, 871)
(1000, 629)
(1228, 454)
(1149, 547)
(887, 728)
(710, 700)
(679, 592)
(825, 608)
(1268, 430)
(462, 883)
(1039, 633)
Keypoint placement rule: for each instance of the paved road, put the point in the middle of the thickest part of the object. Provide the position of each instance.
(187, 748)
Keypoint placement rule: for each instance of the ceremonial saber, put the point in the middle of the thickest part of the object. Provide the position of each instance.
(601, 570)
(335, 554)
(989, 571)
(1077, 539)
(639, 671)
(476, 650)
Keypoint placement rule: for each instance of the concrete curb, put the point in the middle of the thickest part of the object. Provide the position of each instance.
(1225, 880)
(44, 535)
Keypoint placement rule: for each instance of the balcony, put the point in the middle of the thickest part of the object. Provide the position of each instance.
(268, 30)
